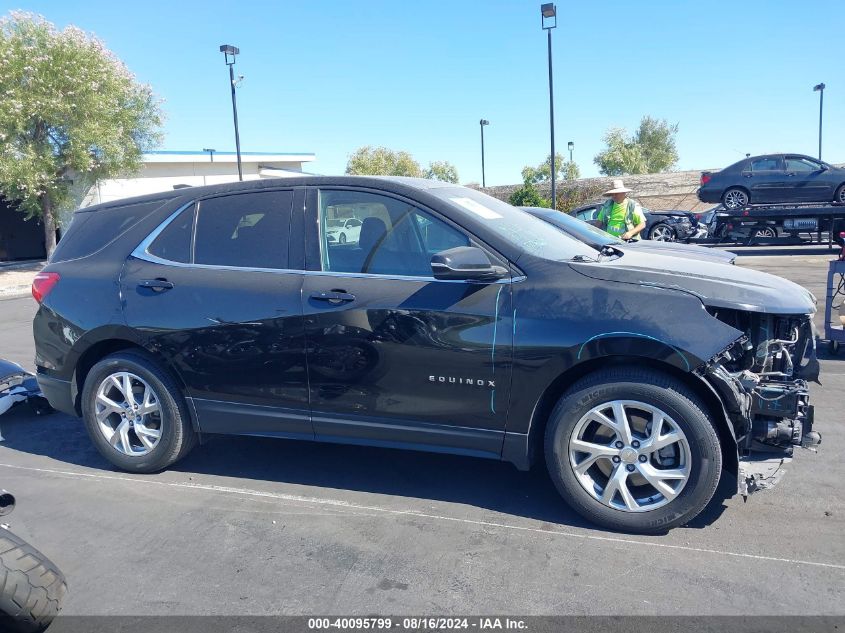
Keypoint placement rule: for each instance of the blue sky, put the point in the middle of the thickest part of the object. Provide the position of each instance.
(329, 76)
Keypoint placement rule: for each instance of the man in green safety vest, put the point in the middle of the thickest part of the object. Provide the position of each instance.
(619, 215)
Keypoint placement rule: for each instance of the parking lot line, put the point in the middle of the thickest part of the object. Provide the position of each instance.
(412, 513)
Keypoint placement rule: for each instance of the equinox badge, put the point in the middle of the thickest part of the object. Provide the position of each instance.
(462, 381)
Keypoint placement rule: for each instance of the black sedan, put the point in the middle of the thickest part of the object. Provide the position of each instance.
(595, 237)
(661, 226)
(773, 179)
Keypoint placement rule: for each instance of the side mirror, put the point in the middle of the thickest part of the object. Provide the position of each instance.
(465, 262)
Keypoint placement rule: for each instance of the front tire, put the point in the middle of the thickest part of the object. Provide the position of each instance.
(662, 233)
(633, 450)
(735, 198)
(135, 413)
(33, 587)
(839, 196)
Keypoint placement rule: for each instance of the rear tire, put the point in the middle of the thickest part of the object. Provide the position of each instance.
(685, 469)
(839, 196)
(735, 198)
(32, 586)
(766, 232)
(132, 440)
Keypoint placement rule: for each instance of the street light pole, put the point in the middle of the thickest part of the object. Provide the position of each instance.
(820, 89)
(571, 146)
(231, 51)
(210, 153)
(482, 123)
(547, 11)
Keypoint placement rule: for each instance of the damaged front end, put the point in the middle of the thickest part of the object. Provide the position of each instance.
(762, 379)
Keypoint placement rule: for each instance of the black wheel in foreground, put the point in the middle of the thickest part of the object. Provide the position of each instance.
(633, 450)
(33, 587)
(735, 198)
(834, 347)
(839, 196)
(135, 413)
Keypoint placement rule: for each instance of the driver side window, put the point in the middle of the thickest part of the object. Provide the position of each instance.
(394, 237)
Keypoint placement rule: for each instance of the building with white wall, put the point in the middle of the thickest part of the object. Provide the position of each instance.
(162, 171)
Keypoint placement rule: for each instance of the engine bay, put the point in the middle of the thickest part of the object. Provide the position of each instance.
(764, 376)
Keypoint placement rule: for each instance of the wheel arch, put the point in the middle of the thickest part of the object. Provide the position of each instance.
(701, 388)
(97, 351)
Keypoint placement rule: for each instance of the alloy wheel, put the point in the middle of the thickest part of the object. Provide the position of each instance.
(630, 456)
(662, 233)
(766, 232)
(128, 414)
(736, 199)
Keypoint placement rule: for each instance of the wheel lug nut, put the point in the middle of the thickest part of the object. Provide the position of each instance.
(630, 468)
(643, 459)
(635, 444)
(616, 459)
(619, 445)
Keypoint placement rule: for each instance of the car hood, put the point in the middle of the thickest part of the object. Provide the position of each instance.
(678, 250)
(716, 284)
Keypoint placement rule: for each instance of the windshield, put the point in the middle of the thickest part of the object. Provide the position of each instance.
(531, 234)
(578, 229)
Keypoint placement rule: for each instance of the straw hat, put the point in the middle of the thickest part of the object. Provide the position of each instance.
(618, 187)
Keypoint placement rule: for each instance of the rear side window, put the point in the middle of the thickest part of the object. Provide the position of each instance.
(174, 242)
(246, 230)
(90, 231)
(764, 164)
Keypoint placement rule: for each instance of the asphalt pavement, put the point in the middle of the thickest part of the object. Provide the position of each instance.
(250, 526)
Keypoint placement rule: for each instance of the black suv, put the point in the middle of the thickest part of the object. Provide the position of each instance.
(450, 322)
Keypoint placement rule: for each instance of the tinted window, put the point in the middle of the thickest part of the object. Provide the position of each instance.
(764, 164)
(246, 230)
(801, 164)
(174, 242)
(90, 231)
(395, 237)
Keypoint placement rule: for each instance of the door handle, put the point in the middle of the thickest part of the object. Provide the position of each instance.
(790, 173)
(158, 285)
(335, 297)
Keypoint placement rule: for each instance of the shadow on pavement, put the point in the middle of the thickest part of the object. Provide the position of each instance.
(489, 484)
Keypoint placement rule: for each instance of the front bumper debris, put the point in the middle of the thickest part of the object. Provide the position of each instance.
(760, 471)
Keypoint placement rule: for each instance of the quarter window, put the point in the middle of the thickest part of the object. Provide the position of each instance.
(246, 230)
(174, 242)
(370, 233)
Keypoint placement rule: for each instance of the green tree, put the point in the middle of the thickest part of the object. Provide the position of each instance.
(651, 149)
(528, 196)
(656, 137)
(381, 161)
(442, 170)
(70, 113)
(566, 170)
